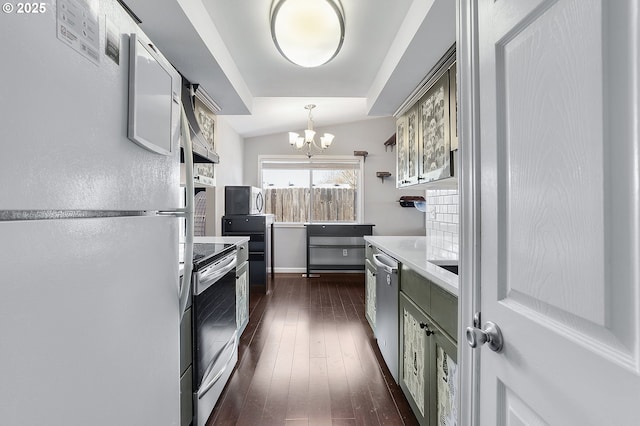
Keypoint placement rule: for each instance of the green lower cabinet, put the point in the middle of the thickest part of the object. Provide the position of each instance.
(444, 383)
(428, 366)
(414, 359)
(370, 295)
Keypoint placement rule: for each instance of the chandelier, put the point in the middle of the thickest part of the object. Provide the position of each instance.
(308, 33)
(308, 143)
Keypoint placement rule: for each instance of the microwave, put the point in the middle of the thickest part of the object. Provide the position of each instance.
(243, 200)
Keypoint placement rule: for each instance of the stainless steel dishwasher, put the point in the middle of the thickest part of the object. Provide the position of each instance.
(387, 310)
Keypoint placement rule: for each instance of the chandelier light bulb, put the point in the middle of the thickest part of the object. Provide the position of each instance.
(326, 139)
(293, 138)
(309, 135)
(308, 140)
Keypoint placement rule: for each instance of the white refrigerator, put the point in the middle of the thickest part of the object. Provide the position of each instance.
(89, 305)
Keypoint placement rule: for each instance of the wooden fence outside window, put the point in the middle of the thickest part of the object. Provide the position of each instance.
(329, 204)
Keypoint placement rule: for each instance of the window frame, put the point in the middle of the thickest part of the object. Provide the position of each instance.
(358, 161)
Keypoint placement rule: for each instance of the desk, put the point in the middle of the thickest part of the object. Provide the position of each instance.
(336, 246)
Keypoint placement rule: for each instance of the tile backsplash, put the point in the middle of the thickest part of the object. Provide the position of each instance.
(442, 219)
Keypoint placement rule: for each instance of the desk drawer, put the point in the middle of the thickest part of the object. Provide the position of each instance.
(340, 230)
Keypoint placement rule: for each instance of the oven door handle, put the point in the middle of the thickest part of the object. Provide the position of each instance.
(208, 383)
(214, 272)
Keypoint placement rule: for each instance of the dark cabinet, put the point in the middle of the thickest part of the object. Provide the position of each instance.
(259, 229)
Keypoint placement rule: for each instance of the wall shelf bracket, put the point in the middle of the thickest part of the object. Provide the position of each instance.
(391, 142)
(361, 154)
(383, 175)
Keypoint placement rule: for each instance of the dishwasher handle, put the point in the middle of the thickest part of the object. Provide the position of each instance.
(386, 263)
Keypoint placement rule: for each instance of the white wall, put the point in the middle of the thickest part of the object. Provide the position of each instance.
(229, 171)
(380, 199)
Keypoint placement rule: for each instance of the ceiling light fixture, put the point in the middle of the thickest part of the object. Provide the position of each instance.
(308, 142)
(308, 33)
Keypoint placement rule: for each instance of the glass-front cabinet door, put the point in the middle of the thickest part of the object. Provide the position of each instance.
(402, 166)
(407, 142)
(435, 142)
(426, 132)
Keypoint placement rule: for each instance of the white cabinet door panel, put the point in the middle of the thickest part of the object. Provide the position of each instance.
(559, 190)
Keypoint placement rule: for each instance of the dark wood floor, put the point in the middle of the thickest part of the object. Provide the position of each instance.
(308, 357)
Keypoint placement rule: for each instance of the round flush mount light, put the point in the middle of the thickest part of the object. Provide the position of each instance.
(308, 33)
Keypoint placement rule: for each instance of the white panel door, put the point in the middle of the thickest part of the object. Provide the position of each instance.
(559, 211)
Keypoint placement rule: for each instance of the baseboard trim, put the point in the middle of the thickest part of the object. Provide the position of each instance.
(304, 271)
(290, 270)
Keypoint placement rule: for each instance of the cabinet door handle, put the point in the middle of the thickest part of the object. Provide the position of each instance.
(428, 331)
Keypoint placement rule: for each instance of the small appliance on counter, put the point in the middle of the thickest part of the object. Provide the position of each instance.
(239, 200)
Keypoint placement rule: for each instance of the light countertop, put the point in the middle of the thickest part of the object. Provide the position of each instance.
(215, 240)
(221, 240)
(418, 254)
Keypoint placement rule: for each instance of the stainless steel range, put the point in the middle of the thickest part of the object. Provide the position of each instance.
(213, 319)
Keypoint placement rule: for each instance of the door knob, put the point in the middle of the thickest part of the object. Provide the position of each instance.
(490, 334)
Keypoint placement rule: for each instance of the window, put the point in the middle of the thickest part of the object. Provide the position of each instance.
(319, 189)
